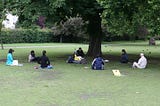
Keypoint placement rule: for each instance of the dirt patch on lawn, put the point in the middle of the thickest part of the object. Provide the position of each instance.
(48, 75)
(86, 96)
(46, 104)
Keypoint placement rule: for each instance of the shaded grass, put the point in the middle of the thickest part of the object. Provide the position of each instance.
(75, 85)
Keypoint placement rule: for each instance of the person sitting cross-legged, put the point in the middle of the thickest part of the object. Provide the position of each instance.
(98, 63)
(44, 61)
(32, 57)
(124, 57)
(80, 52)
(9, 60)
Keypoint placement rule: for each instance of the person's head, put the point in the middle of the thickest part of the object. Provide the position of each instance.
(98, 55)
(141, 54)
(10, 51)
(32, 52)
(80, 48)
(124, 51)
(43, 52)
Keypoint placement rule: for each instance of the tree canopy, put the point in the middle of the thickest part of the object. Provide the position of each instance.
(120, 16)
(57, 10)
(125, 17)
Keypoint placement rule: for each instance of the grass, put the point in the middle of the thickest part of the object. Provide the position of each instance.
(75, 85)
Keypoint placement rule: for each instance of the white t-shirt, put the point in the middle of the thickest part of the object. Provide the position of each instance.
(142, 62)
(30, 58)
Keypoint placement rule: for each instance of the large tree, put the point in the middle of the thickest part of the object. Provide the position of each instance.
(121, 16)
(90, 10)
(57, 10)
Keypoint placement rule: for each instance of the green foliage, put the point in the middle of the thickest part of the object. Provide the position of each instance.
(121, 17)
(57, 10)
(29, 11)
(1, 14)
(73, 26)
(26, 36)
(153, 17)
(125, 17)
(35, 36)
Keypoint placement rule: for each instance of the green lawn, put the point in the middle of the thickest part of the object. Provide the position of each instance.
(75, 85)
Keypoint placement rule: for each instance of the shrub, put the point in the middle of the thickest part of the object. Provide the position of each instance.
(72, 30)
(26, 36)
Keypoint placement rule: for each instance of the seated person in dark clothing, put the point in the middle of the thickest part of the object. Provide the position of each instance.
(70, 59)
(76, 59)
(80, 52)
(98, 63)
(124, 57)
(44, 61)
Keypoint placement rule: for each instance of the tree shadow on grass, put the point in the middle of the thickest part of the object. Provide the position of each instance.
(2, 60)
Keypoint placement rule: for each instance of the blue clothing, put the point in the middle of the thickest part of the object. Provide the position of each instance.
(9, 59)
(124, 58)
(70, 59)
(98, 64)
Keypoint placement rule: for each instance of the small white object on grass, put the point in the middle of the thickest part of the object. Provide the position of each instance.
(106, 61)
(116, 73)
(86, 67)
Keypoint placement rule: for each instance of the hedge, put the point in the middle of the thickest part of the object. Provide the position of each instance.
(26, 36)
(35, 36)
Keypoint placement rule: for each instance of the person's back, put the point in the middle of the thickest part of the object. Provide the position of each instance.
(124, 57)
(98, 63)
(142, 62)
(44, 60)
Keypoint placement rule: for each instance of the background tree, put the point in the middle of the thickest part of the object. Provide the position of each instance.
(128, 17)
(73, 26)
(2, 17)
(120, 16)
(57, 10)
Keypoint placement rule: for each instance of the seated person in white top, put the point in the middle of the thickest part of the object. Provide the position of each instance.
(32, 57)
(142, 62)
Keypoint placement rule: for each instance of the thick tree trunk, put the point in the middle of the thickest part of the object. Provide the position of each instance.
(94, 47)
(95, 34)
(0, 34)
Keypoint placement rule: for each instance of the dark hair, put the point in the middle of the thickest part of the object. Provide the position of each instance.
(123, 50)
(44, 52)
(32, 51)
(98, 55)
(10, 51)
